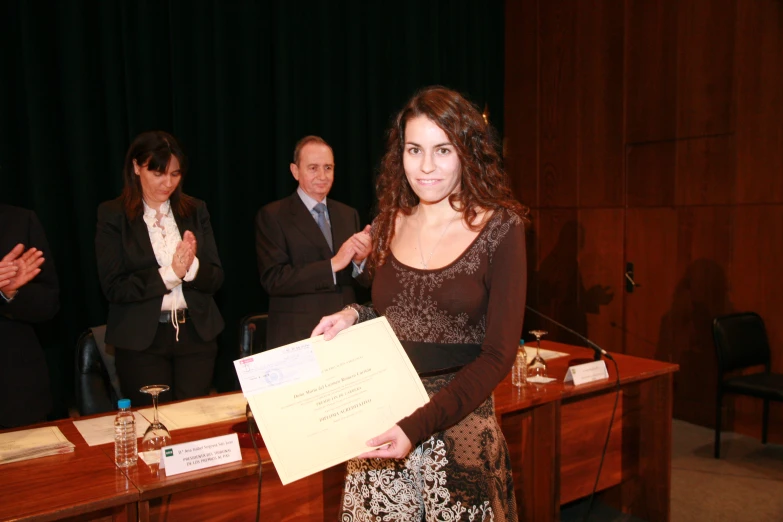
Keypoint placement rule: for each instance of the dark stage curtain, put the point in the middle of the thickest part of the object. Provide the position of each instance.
(238, 82)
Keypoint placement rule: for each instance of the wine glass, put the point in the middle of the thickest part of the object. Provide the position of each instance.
(537, 366)
(157, 435)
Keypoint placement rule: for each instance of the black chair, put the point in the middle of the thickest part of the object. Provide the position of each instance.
(252, 334)
(741, 342)
(94, 392)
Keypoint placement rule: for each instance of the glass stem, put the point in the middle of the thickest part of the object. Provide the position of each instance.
(538, 348)
(155, 407)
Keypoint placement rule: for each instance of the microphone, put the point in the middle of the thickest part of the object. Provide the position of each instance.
(590, 344)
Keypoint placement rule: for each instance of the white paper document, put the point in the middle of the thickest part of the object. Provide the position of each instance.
(530, 349)
(33, 443)
(100, 430)
(317, 402)
(199, 412)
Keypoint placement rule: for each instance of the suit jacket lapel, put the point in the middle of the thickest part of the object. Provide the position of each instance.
(304, 221)
(142, 236)
(341, 226)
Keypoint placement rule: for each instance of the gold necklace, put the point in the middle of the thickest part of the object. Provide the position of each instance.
(442, 234)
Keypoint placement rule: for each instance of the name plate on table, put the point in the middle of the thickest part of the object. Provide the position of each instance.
(200, 454)
(587, 372)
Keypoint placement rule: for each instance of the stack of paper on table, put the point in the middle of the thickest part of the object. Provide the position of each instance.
(317, 402)
(199, 412)
(31, 444)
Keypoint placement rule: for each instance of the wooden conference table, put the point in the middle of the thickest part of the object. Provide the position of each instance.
(555, 433)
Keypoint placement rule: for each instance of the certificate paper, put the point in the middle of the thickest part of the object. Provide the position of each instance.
(317, 402)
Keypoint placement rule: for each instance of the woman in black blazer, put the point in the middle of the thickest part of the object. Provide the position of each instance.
(159, 267)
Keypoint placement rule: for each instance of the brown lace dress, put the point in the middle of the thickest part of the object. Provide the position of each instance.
(459, 468)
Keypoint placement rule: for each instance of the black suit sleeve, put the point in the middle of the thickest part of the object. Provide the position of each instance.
(120, 284)
(279, 276)
(209, 278)
(38, 300)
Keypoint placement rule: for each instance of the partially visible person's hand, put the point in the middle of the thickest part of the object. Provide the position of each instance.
(333, 324)
(183, 257)
(190, 238)
(362, 242)
(344, 255)
(27, 264)
(394, 444)
(7, 270)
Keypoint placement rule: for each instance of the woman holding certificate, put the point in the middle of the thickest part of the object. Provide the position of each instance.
(449, 271)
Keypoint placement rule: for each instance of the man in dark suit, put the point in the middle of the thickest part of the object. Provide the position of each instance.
(309, 249)
(29, 294)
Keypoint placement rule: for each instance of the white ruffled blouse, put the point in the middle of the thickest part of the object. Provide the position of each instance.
(165, 237)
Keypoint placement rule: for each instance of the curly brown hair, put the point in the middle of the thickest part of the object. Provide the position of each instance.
(484, 183)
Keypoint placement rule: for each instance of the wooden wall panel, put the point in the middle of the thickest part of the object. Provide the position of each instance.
(651, 68)
(557, 273)
(651, 173)
(686, 99)
(521, 108)
(759, 86)
(703, 256)
(705, 51)
(601, 266)
(651, 244)
(706, 171)
(600, 99)
(558, 104)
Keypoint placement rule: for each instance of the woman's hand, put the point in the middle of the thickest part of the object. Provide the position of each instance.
(394, 444)
(333, 324)
(183, 257)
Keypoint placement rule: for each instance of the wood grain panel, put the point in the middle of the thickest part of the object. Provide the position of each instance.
(600, 99)
(645, 441)
(584, 425)
(651, 241)
(558, 94)
(705, 51)
(701, 293)
(533, 435)
(756, 285)
(520, 144)
(759, 88)
(651, 174)
(651, 71)
(706, 171)
(557, 277)
(601, 267)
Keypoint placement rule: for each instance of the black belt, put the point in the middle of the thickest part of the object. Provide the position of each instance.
(431, 359)
(181, 314)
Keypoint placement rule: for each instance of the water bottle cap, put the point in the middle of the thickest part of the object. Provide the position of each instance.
(521, 341)
(123, 403)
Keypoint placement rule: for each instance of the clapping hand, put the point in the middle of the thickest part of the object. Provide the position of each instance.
(18, 268)
(362, 242)
(184, 254)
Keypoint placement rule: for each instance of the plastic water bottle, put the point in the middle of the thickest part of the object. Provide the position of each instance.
(125, 450)
(519, 371)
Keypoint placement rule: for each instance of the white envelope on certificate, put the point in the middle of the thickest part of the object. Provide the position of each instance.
(317, 402)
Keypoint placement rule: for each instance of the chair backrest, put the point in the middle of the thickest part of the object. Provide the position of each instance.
(740, 341)
(94, 392)
(252, 334)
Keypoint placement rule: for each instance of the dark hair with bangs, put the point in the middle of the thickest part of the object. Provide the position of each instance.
(484, 184)
(154, 149)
